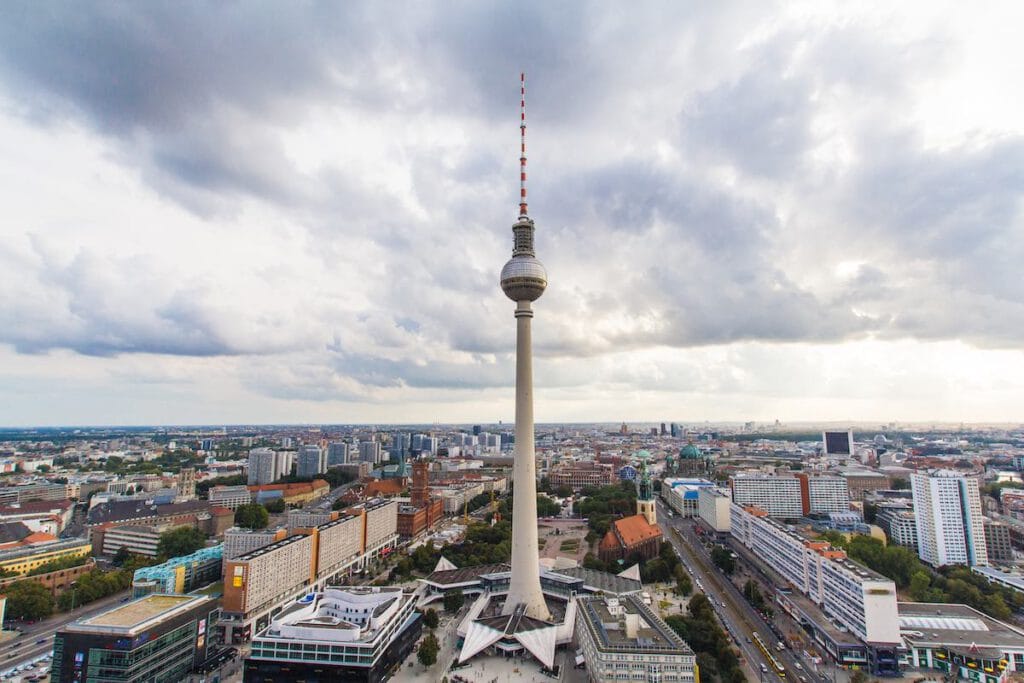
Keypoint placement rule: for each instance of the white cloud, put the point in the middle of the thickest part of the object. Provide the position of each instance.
(745, 211)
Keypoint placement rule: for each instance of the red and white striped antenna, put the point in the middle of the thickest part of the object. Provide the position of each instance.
(522, 143)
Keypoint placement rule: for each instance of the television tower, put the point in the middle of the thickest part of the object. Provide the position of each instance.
(523, 279)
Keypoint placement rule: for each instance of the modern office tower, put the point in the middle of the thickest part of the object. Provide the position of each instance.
(524, 279)
(310, 462)
(641, 647)
(476, 430)
(206, 445)
(838, 443)
(674, 430)
(156, 638)
(337, 453)
(400, 441)
(950, 528)
(338, 634)
(230, 497)
(778, 496)
(369, 451)
(286, 442)
(263, 466)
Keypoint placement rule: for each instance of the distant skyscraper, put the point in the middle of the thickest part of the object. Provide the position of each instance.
(523, 279)
(950, 528)
(310, 462)
(263, 466)
(337, 453)
(369, 451)
(838, 443)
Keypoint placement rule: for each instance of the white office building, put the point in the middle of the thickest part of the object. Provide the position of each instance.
(950, 529)
(827, 494)
(230, 497)
(778, 496)
(263, 467)
(621, 639)
(861, 600)
(714, 508)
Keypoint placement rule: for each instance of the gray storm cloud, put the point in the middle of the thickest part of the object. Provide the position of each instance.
(679, 190)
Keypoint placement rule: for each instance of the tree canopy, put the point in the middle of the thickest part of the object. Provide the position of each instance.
(28, 600)
(252, 516)
(183, 540)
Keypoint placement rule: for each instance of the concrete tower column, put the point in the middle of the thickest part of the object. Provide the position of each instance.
(525, 582)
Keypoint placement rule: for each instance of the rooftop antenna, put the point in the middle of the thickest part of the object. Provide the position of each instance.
(522, 149)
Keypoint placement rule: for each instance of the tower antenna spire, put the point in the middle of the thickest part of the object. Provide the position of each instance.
(522, 144)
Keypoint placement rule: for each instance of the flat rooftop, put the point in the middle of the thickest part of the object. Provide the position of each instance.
(137, 615)
(610, 631)
(957, 627)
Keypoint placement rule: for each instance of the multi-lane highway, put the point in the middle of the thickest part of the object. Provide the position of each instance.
(738, 616)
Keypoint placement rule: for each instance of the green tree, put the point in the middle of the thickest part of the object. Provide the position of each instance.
(277, 506)
(183, 540)
(900, 484)
(723, 559)
(29, 600)
(427, 654)
(859, 676)
(430, 618)
(547, 507)
(251, 516)
(453, 601)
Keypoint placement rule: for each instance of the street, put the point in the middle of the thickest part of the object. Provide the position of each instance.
(736, 614)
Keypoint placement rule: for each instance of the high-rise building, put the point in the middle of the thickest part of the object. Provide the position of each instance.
(230, 497)
(838, 443)
(792, 496)
(950, 528)
(337, 453)
(263, 466)
(369, 451)
(311, 461)
(524, 279)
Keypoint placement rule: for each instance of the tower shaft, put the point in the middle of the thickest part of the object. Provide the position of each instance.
(524, 587)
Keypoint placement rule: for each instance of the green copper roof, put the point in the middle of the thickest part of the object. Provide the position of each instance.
(689, 452)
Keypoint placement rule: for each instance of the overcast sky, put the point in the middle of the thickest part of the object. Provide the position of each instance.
(297, 212)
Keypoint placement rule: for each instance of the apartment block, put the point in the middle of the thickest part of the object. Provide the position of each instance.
(778, 496)
(259, 581)
(950, 528)
(239, 541)
(859, 599)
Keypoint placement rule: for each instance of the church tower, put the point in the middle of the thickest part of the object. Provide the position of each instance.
(645, 496)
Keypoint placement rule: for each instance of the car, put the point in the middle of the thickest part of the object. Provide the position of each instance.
(41, 641)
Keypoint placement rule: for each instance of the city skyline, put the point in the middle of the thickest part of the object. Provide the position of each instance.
(217, 214)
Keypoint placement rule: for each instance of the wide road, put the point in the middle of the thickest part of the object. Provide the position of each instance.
(730, 605)
(25, 647)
